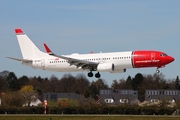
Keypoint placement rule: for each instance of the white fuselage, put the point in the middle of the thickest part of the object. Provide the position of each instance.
(122, 60)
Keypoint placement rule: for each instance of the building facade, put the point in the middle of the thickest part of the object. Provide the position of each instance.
(155, 95)
(59, 96)
(118, 96)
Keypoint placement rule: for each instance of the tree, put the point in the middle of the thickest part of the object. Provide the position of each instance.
(52, 85)
(159, 82)
(96, 86)
(3, 85)
(128, 83)
(12, 99)
(177, 83)
(4, 73)
(137, 80)
(38, 85)
(114, 84)
(93, 90)
(122, 84)
(13, 81)
(28, 94)
(86, 94)
(82, 84)
(67, 83)
(24, 80)
(101, 84)
(137, 85)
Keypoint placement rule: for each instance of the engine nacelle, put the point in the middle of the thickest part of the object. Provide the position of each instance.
(105, 67)
(109, 67)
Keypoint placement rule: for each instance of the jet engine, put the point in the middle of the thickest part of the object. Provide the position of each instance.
(105, 67)
(110, 67)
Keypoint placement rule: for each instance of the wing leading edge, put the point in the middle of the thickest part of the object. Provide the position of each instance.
(83, 64)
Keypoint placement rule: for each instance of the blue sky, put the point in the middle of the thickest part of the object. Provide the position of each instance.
(81, 26)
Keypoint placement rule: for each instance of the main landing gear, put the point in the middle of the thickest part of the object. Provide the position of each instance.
(97, 75)
(90, 74)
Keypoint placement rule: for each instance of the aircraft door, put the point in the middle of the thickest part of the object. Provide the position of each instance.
(102, 60)
(152, 57)
(43, 63)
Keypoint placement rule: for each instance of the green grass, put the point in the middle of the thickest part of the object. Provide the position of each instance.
(85, 117)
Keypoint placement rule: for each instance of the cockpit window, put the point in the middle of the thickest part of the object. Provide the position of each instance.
(163, 54)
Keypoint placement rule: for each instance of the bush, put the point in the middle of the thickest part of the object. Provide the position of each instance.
(93, 109)
(151, 110)
(21, 110)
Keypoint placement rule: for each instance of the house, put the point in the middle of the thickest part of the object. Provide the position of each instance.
(34, 102)
(169, 95)
(58, 96)
(118, 96)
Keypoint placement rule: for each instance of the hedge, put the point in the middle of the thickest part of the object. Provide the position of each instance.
(94, 109)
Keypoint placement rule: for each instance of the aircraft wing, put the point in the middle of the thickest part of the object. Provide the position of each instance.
(19, 59)
(83, 64)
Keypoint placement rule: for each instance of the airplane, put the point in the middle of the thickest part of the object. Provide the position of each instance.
(113, 62)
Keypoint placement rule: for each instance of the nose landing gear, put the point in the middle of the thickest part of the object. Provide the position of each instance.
(157, 71)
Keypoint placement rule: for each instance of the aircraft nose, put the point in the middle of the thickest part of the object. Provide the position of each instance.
(170, 59)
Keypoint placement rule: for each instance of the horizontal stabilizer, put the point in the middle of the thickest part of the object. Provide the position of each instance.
(19, 59)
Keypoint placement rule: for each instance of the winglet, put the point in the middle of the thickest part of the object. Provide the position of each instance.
(47, 49)
(19, 31)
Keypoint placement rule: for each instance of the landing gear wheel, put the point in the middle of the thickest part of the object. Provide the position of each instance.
(90, 74)
(157, 71)
(97, 75)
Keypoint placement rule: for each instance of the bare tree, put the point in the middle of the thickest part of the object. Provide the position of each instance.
(12, 99)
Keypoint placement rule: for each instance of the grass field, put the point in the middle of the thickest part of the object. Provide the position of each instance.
(86, 117)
